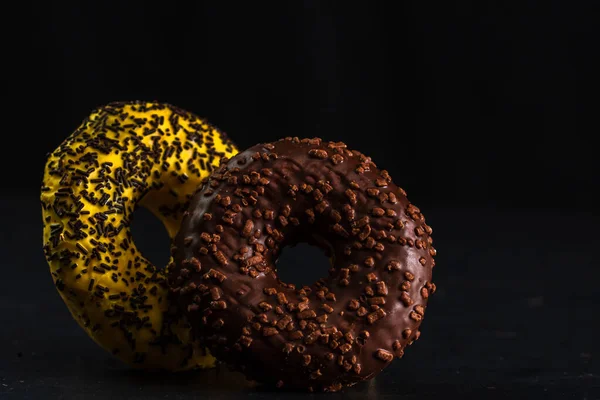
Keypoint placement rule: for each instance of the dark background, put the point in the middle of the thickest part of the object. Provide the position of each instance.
(485, 113)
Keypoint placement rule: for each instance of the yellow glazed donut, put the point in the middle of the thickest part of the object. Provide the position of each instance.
(121, 156)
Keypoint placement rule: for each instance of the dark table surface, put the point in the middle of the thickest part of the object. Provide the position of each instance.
(514, 317)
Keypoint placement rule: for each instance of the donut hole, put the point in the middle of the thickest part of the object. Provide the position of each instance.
(150, 237)
(302, 264)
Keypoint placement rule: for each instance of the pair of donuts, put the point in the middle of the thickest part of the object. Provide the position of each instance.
(230, 214)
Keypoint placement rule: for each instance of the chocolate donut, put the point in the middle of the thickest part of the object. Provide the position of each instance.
(346, 327)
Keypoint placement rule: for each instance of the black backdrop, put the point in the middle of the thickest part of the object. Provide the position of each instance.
(486, 114)
(488, 104)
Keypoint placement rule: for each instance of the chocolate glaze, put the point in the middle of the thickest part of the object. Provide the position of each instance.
(346, 327)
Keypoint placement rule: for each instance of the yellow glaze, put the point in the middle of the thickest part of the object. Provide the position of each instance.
(121, 156)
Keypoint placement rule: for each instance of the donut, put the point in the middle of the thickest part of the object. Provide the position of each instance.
(346, 327)
(124, 155)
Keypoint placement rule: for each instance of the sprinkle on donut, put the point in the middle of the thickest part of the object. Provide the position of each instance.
(347, 326)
